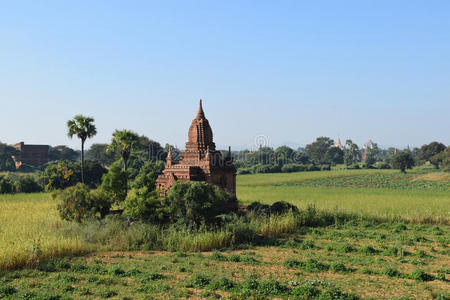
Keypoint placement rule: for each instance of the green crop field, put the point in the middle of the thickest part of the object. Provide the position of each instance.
(390, 239)
(384, 194)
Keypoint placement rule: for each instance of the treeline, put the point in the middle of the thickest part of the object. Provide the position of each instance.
(322, 154)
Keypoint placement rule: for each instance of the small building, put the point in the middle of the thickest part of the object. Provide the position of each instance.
(200, 161)
(33, 155)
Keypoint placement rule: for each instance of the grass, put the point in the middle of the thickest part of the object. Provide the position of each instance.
(258, 272)
(365, 239)
(29, 231)
(385, 194)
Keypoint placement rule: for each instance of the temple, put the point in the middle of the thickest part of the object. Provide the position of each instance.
(33, 155)
(200, 161)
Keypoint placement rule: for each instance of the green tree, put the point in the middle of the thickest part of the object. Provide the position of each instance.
(427, 151)
(97, 152)
(442, 159)
(317, 150)
(284, 155)
(195, 203)
(84, 128)
(351, 153)
(335, 155)
(62, 152)
(114, 183)
(123, 141)
(402, 161)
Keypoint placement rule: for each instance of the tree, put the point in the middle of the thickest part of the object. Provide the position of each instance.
(317, 150)
(97, 152)
(402, 161)
(62, 152)
(123, 141)
(6, 160)
(351, 153)
(84, 128)
(114, 183)
(427, 151)
(284, 155)
(442, 159)
(335, 155)
(372, 154)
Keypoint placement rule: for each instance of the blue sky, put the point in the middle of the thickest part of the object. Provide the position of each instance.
(287, 70)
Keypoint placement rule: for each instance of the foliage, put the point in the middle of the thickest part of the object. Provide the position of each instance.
(27, 184)
(123, 141)
(196, 203)
(79, 203)
(84, 128)
(402, 161)
(442, 159)
(97, 152)
(62, 152)
(146, 205)
(114, 183)
(6, 185)
(6, 154)
(428, 151)
(318, 150)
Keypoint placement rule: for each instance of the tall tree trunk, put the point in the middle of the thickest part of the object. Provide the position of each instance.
(82, 161)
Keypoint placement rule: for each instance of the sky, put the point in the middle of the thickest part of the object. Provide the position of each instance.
(271, 72)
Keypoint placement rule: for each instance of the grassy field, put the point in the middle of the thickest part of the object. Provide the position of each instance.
(351, 261)
(29, 231)
(384, 194)
(397, 246)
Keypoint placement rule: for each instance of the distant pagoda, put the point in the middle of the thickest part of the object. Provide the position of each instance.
(200, 161)
(338, 144)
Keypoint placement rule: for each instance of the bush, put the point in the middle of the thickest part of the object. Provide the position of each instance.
(278, 208)
(194, 203)
(6, 185)
(146, 178)
(79, 203)
(289, 168)
(420, 275)
(60, 175)
(144, 205)
(114, 183)
(27, 184)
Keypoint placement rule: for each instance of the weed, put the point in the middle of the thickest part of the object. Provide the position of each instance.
(271, 288)
(218, 257)
(199, 281)
(339, 267)
(234, 258)
(7, 290)
(368, 249)
(390, 272)
(151, 277)
(307, 244)
(223, 283)
(420, 275)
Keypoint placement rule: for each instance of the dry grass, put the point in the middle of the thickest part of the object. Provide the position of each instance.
(29, 231)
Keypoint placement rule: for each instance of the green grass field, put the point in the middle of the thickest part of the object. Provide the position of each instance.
(398, 247)
(385, 194)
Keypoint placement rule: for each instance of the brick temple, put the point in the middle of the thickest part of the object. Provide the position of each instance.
(200, 161)
(34, 155)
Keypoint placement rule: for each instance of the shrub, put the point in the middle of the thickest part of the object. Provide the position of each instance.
(144, 205)
(61, 175)
(27, 184)
(7, 290)
(390, 272)
(224, 284)
(114, 183)
(289, 168)
(420, 275)
(271, 288)
(196, 203)
(338, 267)
(199, 281)
(6, 185)
(79, 203)
(368, 249)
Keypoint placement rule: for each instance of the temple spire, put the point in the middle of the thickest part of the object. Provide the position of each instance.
(200, 113)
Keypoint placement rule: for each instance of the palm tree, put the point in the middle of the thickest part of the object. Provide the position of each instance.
(124, 141)
(84, 128)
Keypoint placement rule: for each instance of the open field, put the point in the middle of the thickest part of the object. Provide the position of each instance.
(391, 242)
(369, 261)
(29, 230)
(385, 194)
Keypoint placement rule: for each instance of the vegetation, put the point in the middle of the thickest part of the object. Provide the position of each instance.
(84, 128)
(402, 161)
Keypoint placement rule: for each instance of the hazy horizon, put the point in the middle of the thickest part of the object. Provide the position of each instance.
(288, 71)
